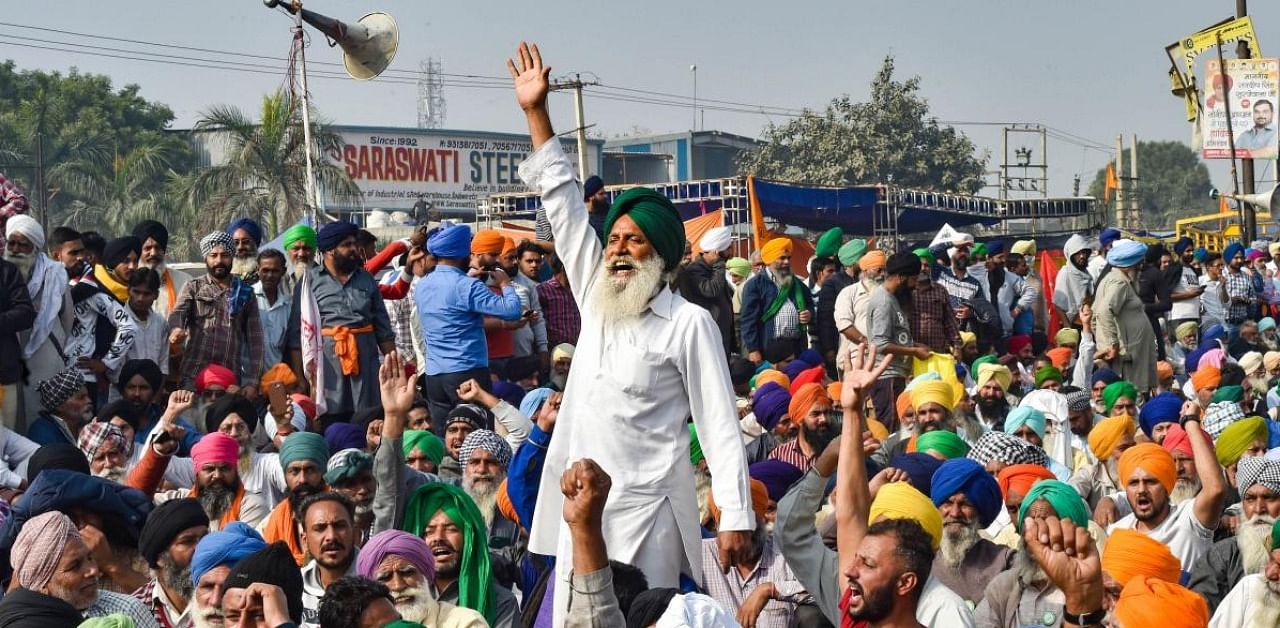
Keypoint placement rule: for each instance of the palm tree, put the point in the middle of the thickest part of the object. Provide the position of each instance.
(115, 194)
(263, 175)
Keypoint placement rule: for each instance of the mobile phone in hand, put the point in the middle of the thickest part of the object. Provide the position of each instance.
(278, 401)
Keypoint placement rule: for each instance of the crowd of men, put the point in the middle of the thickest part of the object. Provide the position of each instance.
(605, 425)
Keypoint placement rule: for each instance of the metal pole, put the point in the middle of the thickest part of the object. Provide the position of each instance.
(694, 69)
(40, 195)
(1250, 222)
(1121, 215)
(313, 191)
(582, 128)
(1135, 199)
(1243, 208)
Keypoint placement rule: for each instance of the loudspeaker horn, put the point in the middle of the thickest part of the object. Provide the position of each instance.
(1266, 201)
(368, 46)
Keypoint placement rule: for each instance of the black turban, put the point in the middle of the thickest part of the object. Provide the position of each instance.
(129, 411)
(56, 456)
(118, 249)
(648, 607)
(226, 406)
(150, 229)
(148, 369)
(165, 523)
(907, 264)
(272, 564)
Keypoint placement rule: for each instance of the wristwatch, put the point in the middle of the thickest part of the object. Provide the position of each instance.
(1182, 420)
(1092, 618)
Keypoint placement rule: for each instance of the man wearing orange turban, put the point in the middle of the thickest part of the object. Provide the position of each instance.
(776, 307)
(1205, 380)
(809, 410)
(1148, 475)
(1107, 440)
(487, 242)
(1130, 554)
(851, 303)
(1152, 602)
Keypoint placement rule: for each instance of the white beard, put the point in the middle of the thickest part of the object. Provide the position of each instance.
(242, 266)
(159, 267)
(418, 609)
(24, 261)
(956, 545)
(702, 488)
(115, 474)
(1184, 490)
(200, 617)
(485, 494)
(1252, 538)
(1266, 609)
(615, 299)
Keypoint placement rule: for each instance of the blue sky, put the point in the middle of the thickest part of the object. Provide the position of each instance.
(1088, 67)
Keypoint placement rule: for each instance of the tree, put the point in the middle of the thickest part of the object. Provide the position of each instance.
(889, 139)
(85, 131)
(1172, 183)
(264, 173)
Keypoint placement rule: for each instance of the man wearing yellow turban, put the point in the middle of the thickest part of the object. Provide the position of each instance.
(992, 382)
(1148, 476)
(775, 306)
(633, 419)
(1107, 440)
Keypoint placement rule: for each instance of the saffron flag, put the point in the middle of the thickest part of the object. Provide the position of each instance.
(312, 344)
(1111, 184)
(1223, 207)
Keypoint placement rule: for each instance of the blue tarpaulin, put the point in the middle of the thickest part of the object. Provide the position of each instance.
(850, 208)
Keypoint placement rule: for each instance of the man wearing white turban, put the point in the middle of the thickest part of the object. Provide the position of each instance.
(47, 285)
(703, 282)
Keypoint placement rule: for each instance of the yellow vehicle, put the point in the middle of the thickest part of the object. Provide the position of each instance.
(1215, 231)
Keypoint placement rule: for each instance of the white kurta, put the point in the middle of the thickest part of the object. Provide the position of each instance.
(1246, 599)
(631, 390)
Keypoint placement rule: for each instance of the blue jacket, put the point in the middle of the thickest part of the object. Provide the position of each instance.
(124, 509)
(757, 294)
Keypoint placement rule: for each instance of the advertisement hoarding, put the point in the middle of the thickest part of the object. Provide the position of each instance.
(1252, 87)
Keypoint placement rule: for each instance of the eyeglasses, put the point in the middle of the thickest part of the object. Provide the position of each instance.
(212, 394)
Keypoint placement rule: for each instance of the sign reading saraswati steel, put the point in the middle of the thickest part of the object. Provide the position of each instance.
(453, 170)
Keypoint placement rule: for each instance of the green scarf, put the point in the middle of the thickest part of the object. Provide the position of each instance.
(794, 292)
(474, 574)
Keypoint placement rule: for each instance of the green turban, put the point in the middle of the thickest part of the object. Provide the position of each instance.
(828, 243)
(1116, 390)
(738, 266)
(925, 255)
(656, 217)
(695, 448)
(299, 232)
(1047, 373)
(978, 249)
(114, 620)
(304, 446)
(852, 251)
(474, 572)
(1233, 394)
(943, 442)
(1238, 437)
(428, 443)
(347, 465)
(1064, 499)
(1275, 534)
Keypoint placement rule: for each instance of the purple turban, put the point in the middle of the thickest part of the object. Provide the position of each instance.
(795, 368)
(770, 404)
(395, 543)
(777, 476)
(341, 436)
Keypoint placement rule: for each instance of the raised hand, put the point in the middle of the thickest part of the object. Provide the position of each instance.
(1068, 556)
(861, 373)
(530, 77)
(586, 489)
(179, 401)
(396, 387)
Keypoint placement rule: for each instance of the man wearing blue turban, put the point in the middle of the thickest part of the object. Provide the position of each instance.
(247, 235)
(211, 562)
(1122, 330)
(970, 500)
(640, 370)
(1156, 415)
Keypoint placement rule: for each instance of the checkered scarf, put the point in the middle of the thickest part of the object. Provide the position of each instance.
(1220, 415)
(1078, 401)
(1007, 449)
(345, 465)
(59, 388)
(488, 441)
(97, 434)
(1257, 470)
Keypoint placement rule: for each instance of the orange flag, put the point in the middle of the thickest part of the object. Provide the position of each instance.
(1223, 207)
(1112, 183)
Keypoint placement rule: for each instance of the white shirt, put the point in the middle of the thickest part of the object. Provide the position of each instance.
(1181, 531)
(174, 279)
(1186, 308)
(82, 342)
(851, 309)
(940, 606)
(313, 591)
(275, 321)
(631, 389)
(152, 341)
(1245, 600)
(15, 451)
(1215, 311)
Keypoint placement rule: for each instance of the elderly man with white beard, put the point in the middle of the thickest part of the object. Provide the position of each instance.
(47, 285)
(211, 562)
(155, 244)
(403, 563)
(167, 542)
(1255, 601)
(970, 500)
(1233, 558)
(105, 447)
(642, 367)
